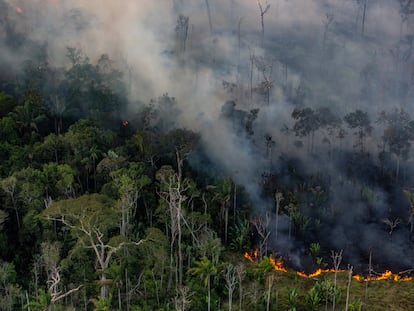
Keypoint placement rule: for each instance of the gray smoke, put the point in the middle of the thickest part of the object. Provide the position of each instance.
(314, 54)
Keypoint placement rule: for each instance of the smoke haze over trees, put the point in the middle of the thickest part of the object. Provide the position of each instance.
(304, 106)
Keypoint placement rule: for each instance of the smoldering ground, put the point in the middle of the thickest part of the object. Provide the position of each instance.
(316, 54)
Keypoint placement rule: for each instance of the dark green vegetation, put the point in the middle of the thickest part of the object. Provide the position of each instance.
(99, 211)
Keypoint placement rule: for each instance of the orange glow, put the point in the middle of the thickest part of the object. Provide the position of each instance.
(317, 273)
(277, 265)
(125, 123)
(387, 275)
(19, 10)
(253, 256)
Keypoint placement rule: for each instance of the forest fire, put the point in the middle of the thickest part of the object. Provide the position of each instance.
(125, 123)
(317, 273)
(278, 266)
(19, 10)
(253, 257)
(387, 275)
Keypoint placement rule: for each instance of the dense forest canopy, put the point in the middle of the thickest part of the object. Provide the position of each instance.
(147, 146)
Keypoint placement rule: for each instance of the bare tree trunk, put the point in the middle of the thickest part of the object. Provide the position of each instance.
(210, 24)
(348, 287)
(369, 276)
(364, 17)
(103, 285)
(240, 275)
(270, 280)
(263, 11)
(278, 199)
(337, 258)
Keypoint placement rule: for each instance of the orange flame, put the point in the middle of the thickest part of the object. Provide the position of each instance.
(277, 265)
(317, 273)
(125, 123)
(19, 10)
(253, 256)
(387, 275)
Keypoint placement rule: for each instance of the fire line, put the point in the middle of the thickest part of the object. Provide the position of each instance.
(278, 266)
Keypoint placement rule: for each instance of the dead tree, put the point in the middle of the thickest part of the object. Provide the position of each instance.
(50, 259)
(182, 31)
(370, 272)
(230, 276)
(326, 25)
(210, 24)
(173, 194)
(270, 281)
(182, 299)
(262, 228)
(364, 5)
(252, 57)
(263, 11)
(240, 272)
(348, 287)
(266, 69)
(336, 258)
(278, 199)
(392, 224)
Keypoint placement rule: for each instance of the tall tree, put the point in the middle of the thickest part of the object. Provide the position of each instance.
(130, 182)
(90, 219)
(398, 134)
(359, 121)
(263, 10)
(172, 193)
(205, 269)
(210, 23)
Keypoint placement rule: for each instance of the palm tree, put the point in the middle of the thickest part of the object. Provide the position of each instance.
(205, 269)
(27, 117)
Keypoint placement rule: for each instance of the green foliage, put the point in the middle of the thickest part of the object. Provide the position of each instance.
(41, 303)
(8, 130)
(102, 303)
(326, 290)
(313, 299)
(292, 300)
(9, 297)
(203, 269)
(355, 305)
(315, 249)
(7, 104)
(88, 212)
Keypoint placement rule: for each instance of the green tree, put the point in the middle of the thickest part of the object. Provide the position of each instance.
(29, 114)
(204, 269)
(9, 290)
(87, 141)
(9, 186)
(7, 104)
(129, 181)
(90, 219)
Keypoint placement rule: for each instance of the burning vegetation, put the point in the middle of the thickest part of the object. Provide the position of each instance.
(278, 266)
(149, 161)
